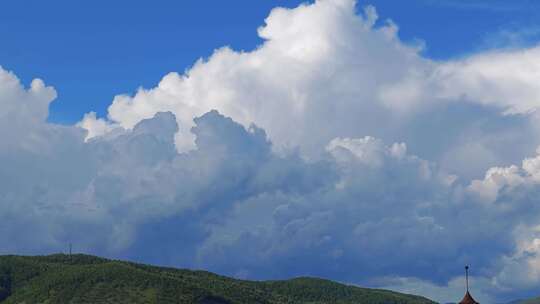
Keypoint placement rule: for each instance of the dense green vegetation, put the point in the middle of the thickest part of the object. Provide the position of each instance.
(88, 279)
(528, 301)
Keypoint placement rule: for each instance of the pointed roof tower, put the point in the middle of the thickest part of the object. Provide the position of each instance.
(467, 299)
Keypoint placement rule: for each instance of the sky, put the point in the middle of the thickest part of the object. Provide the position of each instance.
(72, 43)
(273, 139)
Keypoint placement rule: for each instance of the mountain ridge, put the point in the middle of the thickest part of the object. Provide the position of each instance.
(535, 300)
(81, 278)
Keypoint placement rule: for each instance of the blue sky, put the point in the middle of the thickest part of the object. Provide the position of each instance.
(320, 142)
(105, 48)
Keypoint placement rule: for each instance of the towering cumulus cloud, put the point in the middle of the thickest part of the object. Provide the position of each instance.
(333, 149)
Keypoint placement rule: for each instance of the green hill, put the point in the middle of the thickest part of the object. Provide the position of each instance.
(528, 301)
(89, 279)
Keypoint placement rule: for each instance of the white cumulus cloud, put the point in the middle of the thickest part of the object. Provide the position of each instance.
(325, 151)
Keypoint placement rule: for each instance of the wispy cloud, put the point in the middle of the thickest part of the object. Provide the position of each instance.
(511, 37)
(493, 5)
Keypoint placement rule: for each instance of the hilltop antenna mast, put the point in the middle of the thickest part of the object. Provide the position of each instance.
(70, 248)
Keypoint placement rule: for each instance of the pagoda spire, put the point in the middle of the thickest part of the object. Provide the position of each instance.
(467, 276)
(467, 299)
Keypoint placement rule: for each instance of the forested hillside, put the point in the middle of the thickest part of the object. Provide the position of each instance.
(89, 279)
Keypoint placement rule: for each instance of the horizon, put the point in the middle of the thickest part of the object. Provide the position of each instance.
(376, 143)
(69, 255)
